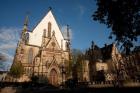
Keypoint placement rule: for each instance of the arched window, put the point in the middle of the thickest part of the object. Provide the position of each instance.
(49, 29)
(30, 56)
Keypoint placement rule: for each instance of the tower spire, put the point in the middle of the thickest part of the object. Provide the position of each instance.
(26, 20)
(50, 8)
(68, 35)
(92, 44)
(25, 30)
(26, 23)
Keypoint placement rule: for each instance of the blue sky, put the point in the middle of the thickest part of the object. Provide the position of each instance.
(76, 13)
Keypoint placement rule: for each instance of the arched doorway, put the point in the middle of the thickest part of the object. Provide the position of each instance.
(53, 77)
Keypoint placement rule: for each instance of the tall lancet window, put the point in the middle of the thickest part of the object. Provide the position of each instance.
(49, 29)
(44, 33)
(30, 56)
(62, 44)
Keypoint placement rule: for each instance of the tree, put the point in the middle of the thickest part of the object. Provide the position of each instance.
(80, 66)
(78, 63)
(16, 70)
(68, 68)
(123, 17)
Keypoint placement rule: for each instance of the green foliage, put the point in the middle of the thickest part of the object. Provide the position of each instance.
(75, 66)
(76, 55)
(16, 70)
(68, 68)
(78, 63)
(123, 17)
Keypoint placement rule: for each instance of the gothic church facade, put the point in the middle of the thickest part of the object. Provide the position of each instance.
(44, 51)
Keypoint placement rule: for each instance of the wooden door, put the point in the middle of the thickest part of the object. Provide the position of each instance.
(53, 77)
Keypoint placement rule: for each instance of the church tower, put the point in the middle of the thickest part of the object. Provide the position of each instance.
(45, 51)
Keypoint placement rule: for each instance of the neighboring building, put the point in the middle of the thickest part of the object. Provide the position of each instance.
(44, 50)
(132, 64)
(102, 62)
(107, 64)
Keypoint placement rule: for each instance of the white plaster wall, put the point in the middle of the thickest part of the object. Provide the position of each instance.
(36, 35)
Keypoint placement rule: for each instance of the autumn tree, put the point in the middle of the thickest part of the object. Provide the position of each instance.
(123, 17)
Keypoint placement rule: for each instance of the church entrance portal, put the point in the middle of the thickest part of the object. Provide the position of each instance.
(53, 77)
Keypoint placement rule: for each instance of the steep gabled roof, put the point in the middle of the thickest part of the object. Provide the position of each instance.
(36, 35)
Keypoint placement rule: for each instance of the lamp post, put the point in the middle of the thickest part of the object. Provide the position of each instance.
(62, 72)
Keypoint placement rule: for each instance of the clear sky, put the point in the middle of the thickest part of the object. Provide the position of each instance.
(76, 13)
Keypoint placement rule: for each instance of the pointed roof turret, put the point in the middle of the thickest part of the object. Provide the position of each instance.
(92, 44)
(68, 35)
(50, 8)
(24, 37)
(26, 23)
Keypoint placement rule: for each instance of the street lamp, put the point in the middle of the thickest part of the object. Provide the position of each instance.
(62, 72)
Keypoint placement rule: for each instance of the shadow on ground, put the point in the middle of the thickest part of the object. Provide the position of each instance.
(47, 88)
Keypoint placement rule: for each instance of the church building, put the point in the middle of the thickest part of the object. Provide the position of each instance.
(44, 52)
